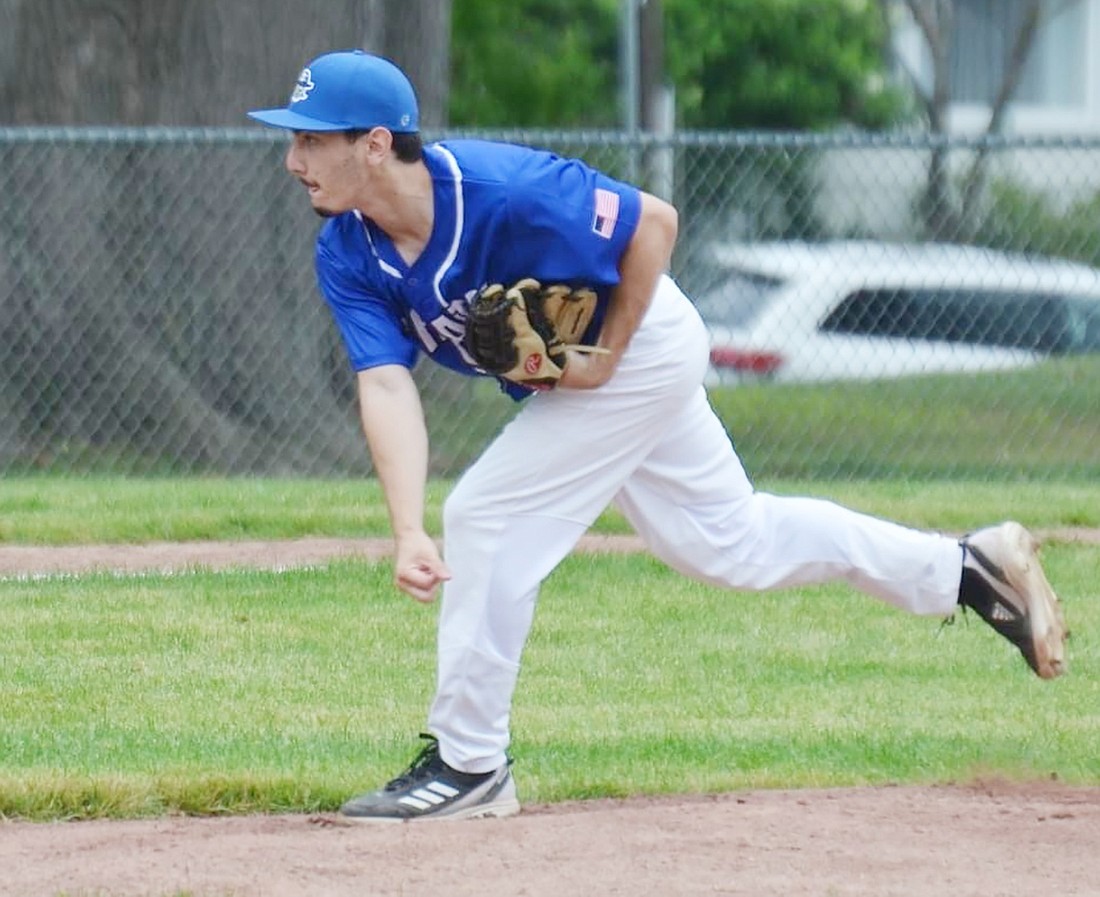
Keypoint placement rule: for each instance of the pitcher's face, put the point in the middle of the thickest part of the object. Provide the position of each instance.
(327, 164)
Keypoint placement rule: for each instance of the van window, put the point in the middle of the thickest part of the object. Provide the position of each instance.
(1034, 321)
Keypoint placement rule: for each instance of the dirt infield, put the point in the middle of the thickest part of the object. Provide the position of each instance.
(982, 839)
(978, 841)
(34, 560)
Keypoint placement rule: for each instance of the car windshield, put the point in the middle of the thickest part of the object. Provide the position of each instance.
(736, 299)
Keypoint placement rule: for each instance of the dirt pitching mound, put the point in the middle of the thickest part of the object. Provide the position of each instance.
(983, 840)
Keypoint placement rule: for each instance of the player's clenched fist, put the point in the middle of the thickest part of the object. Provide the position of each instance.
(418, 568)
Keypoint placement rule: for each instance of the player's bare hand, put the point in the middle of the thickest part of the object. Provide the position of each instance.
(587, 370)
(418, 567)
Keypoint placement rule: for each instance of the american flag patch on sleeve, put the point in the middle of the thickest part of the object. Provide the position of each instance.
(606, 214)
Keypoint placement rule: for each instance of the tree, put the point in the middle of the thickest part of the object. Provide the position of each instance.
(777, 64)
(535, 63)
(197, 62)
(734, 63)
(943, 214)
(115, 347)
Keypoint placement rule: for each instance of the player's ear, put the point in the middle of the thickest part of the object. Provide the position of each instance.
(378, 143)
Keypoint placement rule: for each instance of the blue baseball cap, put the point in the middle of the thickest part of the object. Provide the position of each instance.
(346, 90)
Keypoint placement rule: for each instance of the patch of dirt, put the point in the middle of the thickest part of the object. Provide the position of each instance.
(982, 839)
(977, 841)
(44, 560)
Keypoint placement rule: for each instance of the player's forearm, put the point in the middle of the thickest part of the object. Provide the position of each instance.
(393, 422)
(646, 258)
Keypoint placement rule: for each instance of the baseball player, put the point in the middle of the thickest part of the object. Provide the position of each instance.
(506, 261)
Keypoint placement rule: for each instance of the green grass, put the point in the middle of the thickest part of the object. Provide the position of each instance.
(58, 510)
(255, 691)
(1042, 423)
(1037, 424)
(242, 691)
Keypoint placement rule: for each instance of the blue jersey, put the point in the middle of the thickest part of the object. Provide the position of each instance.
(502, 213)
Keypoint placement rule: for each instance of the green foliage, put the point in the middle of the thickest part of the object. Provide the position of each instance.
(768, 64)
(778, 64)
(1027, 221)
(534, 63)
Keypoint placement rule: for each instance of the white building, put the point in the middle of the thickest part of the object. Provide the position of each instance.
(1059, 91)
(1058, 96)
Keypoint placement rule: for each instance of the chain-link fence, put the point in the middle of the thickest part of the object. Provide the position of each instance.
(158, 310)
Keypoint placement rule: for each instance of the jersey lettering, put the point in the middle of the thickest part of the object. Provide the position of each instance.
(448, 327)
(423, 335)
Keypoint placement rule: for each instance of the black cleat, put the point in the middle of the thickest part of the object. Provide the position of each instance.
(430, 789)
(1004, 583)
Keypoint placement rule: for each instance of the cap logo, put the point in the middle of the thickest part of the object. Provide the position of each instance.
(303, 86)
(405, 119)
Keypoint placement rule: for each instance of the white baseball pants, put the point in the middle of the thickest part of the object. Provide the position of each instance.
(648, 441)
